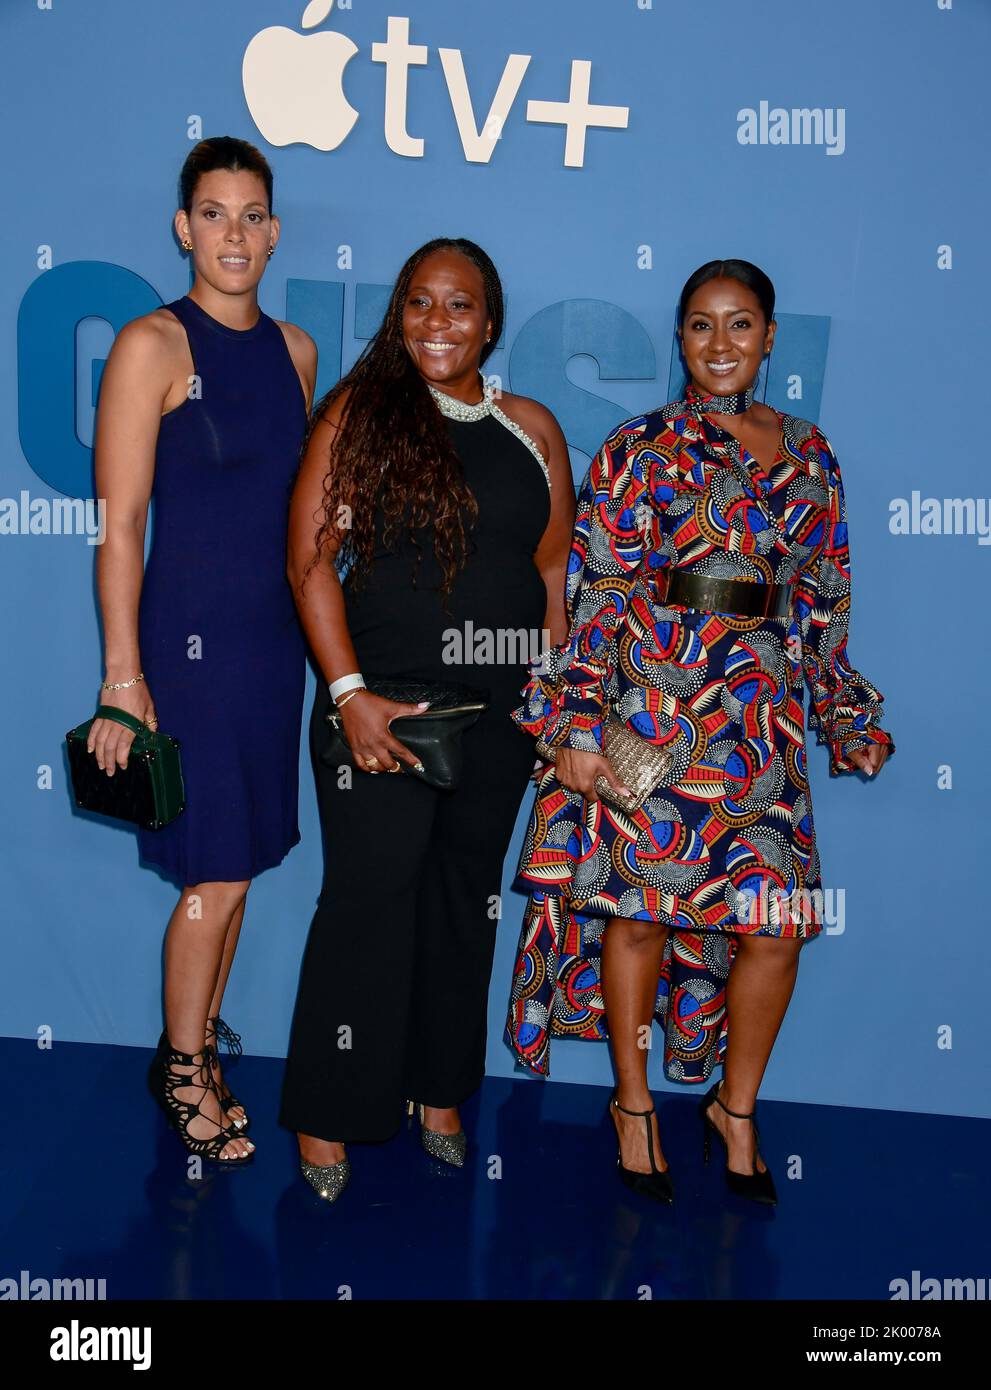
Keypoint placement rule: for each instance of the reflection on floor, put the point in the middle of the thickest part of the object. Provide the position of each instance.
(93, 1185)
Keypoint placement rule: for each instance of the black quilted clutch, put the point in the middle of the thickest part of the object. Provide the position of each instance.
(434, 736)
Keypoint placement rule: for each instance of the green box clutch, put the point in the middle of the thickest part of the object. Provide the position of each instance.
(149, 791)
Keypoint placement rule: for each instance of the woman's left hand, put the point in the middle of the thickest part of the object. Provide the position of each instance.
(870, 759)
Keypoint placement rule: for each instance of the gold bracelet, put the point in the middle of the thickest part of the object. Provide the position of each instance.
(123, 685)
(349, 695)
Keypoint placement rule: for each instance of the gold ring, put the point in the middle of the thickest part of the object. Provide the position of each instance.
(372, 762)
(397, 768)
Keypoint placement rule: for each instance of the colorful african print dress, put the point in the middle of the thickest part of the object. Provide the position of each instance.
(726, 845)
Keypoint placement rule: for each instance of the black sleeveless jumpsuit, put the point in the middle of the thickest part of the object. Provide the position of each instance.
(394, 982)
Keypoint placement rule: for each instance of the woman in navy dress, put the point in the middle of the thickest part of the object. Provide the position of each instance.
(203, 407)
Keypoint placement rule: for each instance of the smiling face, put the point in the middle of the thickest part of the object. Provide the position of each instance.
(724, 337)
(446, 322)
(231, 229)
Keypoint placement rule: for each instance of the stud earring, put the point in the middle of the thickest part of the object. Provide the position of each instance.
(271, 249)
(187, 246)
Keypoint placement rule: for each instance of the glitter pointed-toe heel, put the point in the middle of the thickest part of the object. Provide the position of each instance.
(449, 1148)
(328, 1180)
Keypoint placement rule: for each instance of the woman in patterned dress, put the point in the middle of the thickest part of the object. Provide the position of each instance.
(719, 866)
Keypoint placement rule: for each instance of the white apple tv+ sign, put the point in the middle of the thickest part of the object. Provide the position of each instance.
(294, 87)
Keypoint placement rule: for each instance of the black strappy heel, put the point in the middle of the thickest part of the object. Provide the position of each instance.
(757, 1186)
(225, 1034)
(656, 1184)
(164, 1081)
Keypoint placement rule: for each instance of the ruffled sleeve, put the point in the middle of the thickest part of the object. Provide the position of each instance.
(845, 709)
(566, 698)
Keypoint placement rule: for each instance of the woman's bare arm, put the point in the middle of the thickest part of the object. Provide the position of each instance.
(315, 583)
(551, 556)
(321, 605)
(303, 351)
(136, 381)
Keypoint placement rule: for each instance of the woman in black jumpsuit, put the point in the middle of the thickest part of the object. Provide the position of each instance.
(394, 983)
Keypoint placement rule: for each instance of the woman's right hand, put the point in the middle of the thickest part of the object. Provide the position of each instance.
(366, 718)
(577, 771)
(110, 741)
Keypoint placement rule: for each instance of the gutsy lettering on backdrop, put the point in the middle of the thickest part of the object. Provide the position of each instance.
(65, 313)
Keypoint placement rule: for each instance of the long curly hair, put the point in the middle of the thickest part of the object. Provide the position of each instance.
(393, 445)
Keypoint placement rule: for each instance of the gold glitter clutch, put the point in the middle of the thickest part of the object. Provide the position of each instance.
(639, 765)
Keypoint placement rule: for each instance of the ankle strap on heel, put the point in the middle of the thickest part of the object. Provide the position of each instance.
(172, 1057)
(225, 1034)
(640, 1114)
(737, 1115)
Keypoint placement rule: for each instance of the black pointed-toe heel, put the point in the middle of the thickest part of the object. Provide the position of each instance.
(655, 1184)
(757, 1186)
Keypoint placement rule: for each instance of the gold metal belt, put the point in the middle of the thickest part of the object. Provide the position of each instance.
(743, 598)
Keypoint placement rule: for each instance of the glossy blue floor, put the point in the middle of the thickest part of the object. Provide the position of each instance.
(94, 1185)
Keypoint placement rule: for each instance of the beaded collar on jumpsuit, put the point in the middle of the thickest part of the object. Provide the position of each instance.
(461, 410)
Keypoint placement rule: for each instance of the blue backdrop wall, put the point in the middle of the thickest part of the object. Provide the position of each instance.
(836, 145)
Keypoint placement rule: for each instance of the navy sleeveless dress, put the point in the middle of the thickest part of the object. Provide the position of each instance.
(221, 646)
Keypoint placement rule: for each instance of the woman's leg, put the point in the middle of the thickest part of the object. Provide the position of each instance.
(761, 981)
(236, 1112)
(455, 941)
(457, 917)
(632, 952)
(227, 958)
(343, 1077)
(194, 950)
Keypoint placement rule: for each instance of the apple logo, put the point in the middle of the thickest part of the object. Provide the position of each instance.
(294, 84)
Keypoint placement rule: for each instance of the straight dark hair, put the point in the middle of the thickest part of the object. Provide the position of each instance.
(744, 271)
(222, 152)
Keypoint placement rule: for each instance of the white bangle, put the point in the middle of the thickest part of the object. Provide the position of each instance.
(344, 683)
